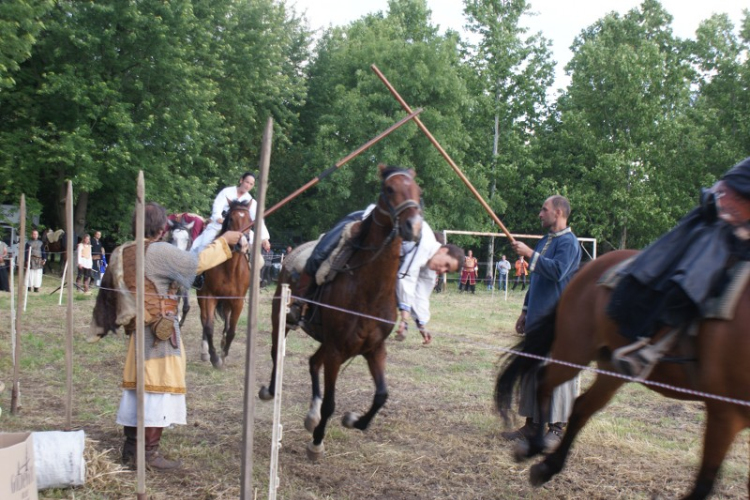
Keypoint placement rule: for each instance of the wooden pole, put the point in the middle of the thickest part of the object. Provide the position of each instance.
(69, 315)
(345, 160)
(246, 488)
(450, 161)
(19, 307)
(140, 351)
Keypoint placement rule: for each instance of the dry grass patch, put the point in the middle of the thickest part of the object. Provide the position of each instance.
(436, 437)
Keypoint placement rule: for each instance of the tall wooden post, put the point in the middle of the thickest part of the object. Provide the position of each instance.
(140, 351)
(69, 316)
(246, 488)
(21, 257)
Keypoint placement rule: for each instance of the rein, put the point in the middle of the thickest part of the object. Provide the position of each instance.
(245, 230)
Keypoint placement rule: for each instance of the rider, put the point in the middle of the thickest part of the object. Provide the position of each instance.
(421, 263)
(239, 192)
(668, 284)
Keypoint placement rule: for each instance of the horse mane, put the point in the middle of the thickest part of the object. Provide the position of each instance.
(232, 206)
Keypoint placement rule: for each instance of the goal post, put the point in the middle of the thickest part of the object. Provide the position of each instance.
(588, 245)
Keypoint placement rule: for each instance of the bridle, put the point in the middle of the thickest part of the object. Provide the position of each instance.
(393, 212)
(245, 230)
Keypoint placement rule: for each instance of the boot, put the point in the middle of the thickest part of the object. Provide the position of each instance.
(304, 288)
(473, 289)
(639, 358)
(78, 283)
(86, 283)
(554, 436)
(154, 460)
(129, 447)
(524, 433)
(36, 289)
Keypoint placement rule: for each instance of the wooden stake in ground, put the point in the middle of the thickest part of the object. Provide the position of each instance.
(140, 333)
(246, 487)
(21, 256)
(69, 316)
(450, 161)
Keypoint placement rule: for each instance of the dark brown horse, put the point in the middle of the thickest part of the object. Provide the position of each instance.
(579, 331)
(224, 289)
(369, 288)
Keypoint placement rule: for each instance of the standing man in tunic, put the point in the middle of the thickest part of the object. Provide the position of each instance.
(97, 255)
(551, 264)
(239, 192)
(38, 257)
(166, 268)
(469, 273)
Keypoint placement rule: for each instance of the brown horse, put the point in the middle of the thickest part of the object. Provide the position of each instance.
(580, 331)
(54, 249)
(224, 289)
(366, 287)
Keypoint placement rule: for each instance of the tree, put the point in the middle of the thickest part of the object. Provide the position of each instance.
(20, 24)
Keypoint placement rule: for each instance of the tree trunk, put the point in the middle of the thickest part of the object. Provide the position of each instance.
(79, 215)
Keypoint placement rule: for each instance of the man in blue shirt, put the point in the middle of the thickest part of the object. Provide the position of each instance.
(551, 266)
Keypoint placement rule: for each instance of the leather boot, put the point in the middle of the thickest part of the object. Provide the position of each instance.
(524, 433)
(154, 460)
(129, 447)
(304, 289)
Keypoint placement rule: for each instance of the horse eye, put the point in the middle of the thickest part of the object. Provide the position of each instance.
(389, 190)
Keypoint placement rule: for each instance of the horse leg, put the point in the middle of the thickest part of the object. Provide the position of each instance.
(331, 365)
(722, 425)
(185, 305)
(313, 415)
(207, 318)
(268, 393)
(232, 321)
(376, 363)
(593, 400)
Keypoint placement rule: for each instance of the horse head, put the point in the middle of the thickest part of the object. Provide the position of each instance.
(181, 234)
(400, 200)
(237, 217)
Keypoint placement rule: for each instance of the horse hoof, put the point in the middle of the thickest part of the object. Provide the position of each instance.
(311, 423)
(521, 451)
(218, 363)
(350, 418)
(314, 452)
(205, 356)
(539, 474)
(264, 394)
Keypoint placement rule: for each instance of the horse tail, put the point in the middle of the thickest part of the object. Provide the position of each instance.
(221, 311)
(537, 342)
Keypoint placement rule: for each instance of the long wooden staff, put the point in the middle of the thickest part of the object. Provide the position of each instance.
(442, 152)
(20, 256)
(364, 147)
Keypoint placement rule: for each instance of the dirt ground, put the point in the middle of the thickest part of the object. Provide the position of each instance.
(436, 438)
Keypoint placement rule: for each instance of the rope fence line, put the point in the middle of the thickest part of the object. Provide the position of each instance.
(545, 359)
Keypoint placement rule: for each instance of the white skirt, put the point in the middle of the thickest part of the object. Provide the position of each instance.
(161, 409)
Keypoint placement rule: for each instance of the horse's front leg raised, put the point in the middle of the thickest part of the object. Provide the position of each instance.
(376, 363)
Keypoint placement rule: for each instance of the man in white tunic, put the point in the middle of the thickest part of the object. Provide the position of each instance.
(240, 192)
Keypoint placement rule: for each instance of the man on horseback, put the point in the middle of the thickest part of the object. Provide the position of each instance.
(667, 287)
(421, 264)
(239, 192)
(166, 268)
(551, 265)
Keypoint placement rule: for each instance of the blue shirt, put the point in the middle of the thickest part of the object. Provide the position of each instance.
(555, 260)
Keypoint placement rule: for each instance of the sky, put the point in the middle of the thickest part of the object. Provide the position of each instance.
(559, 21)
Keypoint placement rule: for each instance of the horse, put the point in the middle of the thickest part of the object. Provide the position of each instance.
(180, 236)
(224, 289)
(579, 331)
(359, 304)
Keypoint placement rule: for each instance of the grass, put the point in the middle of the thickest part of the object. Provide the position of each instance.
(436, 437)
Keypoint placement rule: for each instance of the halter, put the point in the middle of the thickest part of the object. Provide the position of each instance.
(245, 230)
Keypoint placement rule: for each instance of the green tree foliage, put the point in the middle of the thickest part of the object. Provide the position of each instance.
(113, 87)
(20, 23)
(612, 143)
(347, 105)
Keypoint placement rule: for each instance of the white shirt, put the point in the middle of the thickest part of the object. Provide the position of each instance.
(221, 204)
(415, 279)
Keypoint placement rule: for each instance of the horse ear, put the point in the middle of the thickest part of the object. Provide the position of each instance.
(412, 172)
(381, 167)
(170, 223)
(229, 202)
(190, 226)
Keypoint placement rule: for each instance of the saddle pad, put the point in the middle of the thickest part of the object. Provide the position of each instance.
(331, 266)
(295, 261)
(723, 306)
(612, 276)
(53, 237)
